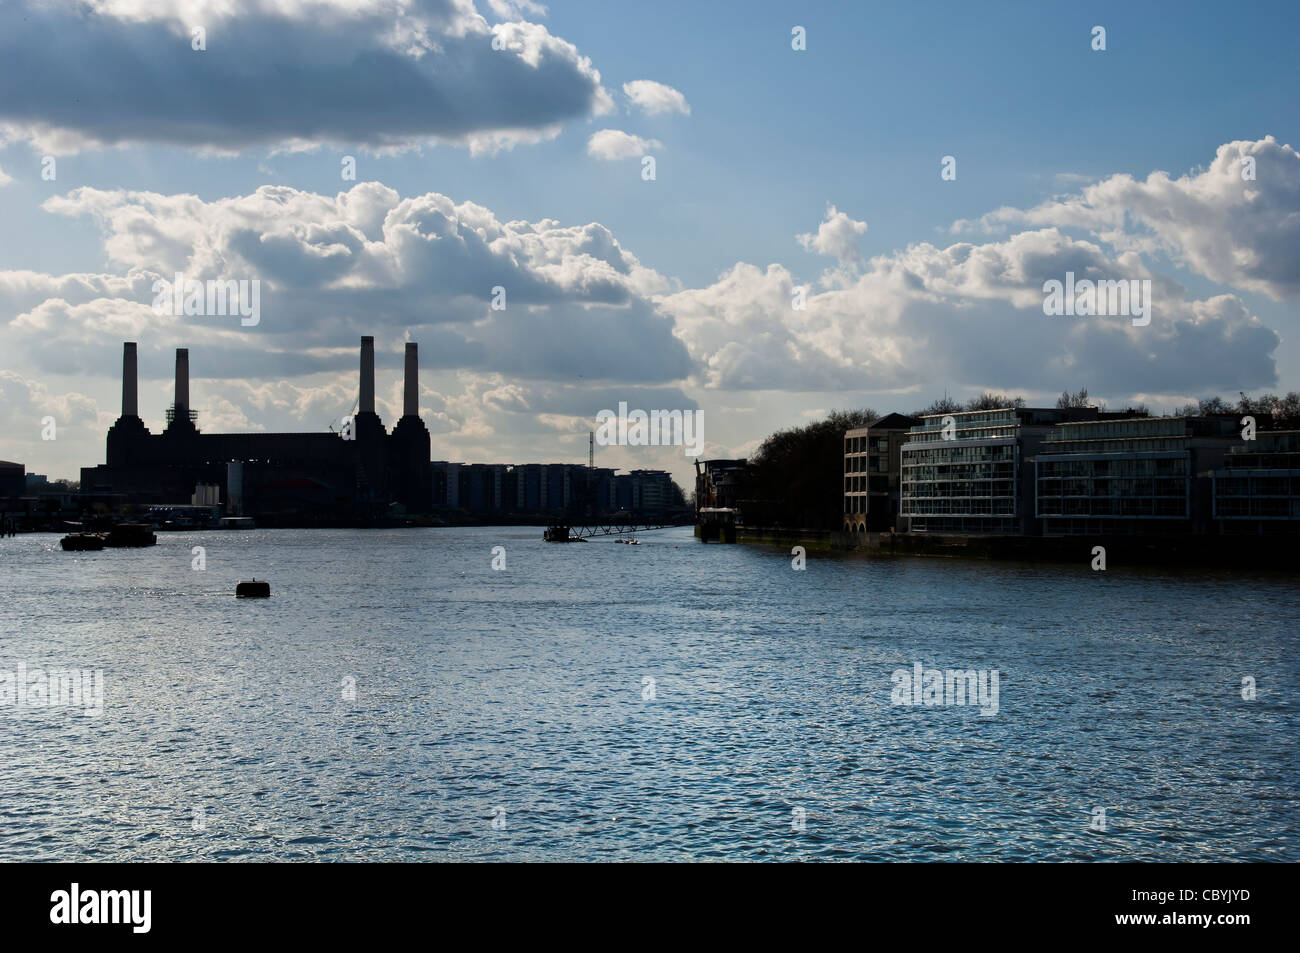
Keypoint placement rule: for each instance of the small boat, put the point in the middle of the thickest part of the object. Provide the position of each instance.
(130, 535)
(82, 542)
(629, 542)
(253, 589)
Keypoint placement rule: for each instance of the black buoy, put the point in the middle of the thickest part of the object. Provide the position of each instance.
(253, 589)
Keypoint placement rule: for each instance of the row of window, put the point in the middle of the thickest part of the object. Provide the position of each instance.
(959, 472)
(862, 464)
(1135, 427)
(961, 435)
(948, 524)
(979, 418)
(1128, 506)
(956, 491)
(1142, 445)
(1257, 486)
(1267, 508)
(865, 444)
(1161, 466)
(1112, 487)
(998, 506)
(959, 454)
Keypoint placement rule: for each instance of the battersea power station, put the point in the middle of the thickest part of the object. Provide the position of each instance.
(359, 474)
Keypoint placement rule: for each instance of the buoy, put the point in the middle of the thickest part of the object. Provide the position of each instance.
(253, 589)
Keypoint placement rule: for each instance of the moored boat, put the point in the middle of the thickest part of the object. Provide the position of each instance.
(82, 542)
(130, 534)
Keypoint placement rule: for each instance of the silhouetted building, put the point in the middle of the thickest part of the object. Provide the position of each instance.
(13, 480)
(357, 474)
(1131, 475)
(1257, 490)
(873, 473)
(962, 472)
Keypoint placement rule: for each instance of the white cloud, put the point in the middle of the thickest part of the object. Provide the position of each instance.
(26, 402)
(516, 9)
(965, 314)
(588, 325)
(5, 178)
(655, 98)
(614, 144)
(332, 266)
(1240, 232)
(837, 236)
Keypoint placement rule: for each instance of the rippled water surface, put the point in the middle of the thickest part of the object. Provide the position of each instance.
(518, 695)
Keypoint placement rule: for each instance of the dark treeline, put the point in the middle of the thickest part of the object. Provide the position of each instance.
(796, 475)
(1284, 411)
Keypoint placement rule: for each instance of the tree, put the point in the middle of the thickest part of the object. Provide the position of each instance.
(1284, 411)
(991, 401)
(1067, 400)
(944, 405)
(796, 475)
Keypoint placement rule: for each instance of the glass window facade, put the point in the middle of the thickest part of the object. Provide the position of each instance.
(965, 484)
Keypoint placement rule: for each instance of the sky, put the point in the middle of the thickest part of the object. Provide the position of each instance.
(502, 144)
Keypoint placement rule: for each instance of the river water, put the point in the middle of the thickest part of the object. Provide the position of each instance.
(397, 698)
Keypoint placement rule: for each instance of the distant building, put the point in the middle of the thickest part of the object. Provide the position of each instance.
(13, 480)
(482, 487)
(604, 489)
(873, 473)
(1257, 490)
(445, 484)
(558, 478)
(720, 483)
(530, 488)
(551, 490)
(360, 473)
(647, 492)
(968, 477)
(1131, 475)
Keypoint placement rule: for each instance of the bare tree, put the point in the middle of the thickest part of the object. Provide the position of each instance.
(991, 401)
(1067, 400)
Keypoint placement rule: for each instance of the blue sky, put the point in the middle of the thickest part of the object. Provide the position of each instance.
(859, 121)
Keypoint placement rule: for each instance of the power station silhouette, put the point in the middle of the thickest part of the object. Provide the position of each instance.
(360, 473)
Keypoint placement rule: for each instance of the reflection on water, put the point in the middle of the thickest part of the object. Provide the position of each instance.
(397, 698)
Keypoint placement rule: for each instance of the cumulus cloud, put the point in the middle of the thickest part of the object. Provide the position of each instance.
(575, 301)
(586, 324)
(614, 144)
(286, 73)
(837, 236)
(968, 313)
(5, 178)
(1221, 223)
(654, 98)
(516, 9)
(25, 403)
